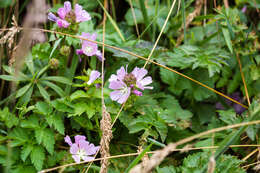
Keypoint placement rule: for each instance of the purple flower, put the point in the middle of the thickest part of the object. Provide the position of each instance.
(89, 48)
(141, 82)
(244, 9)
(93, 76)
(81, 149)
(123, 83)
(68, 16)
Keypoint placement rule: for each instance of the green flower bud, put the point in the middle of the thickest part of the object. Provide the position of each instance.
(54, 63)
(65, 50)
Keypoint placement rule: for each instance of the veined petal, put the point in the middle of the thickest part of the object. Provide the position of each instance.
(78, 138)
(83, 144)
(146, 81)
(124, 96)
(139, 73)
(68, 140)
(74, 148)
(93, 76)
(87, 158)
(116, 85)
(81, 15)
(115, 95)
(52, 17)
(121, 73)
(113, 78)
(76, 158)
(67, 6)
(62, 23)
(62, 13)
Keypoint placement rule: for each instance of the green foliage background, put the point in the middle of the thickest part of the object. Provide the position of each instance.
(53, 101)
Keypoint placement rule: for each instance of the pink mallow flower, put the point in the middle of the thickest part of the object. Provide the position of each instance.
(81, 149)
(89, 48)
(68, 16)
(93, 76)
(126, 83)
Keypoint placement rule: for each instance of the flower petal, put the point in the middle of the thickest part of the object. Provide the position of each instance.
(74, 148)
(81, 15)
(68, 140)
(124, 97)
(116, 85)
(139, 73)
(62, 13)
(115, 95)
(79, 51)
(52, 17)
(78, 138)
(67, 6)
(121, 73)
(146, 81)
(76, 158)
(62, 23)
(93, 76)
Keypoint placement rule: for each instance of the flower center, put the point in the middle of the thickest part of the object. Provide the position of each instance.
(129, 79)
(71, 17)
(81, 153)
(88, 49)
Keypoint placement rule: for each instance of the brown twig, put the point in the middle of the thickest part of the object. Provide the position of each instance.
(190, 17)
(159, 155)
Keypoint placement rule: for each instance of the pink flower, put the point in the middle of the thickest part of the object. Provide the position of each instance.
(88, 48)
(124, 83)
(81, 149)
(68, 16)
(93, 76)
(141, 82)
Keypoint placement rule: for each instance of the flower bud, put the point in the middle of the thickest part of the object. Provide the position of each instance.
(54, 63)
(65, 50)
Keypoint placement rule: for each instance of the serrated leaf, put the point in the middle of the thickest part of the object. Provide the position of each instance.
(227, 39)
(43, 108)
(56, 121)
(45, 137)
(9, 118)
(62, 106)
(32, 122)
(37, 157)
(79, 94)
(162, 129)
(26, 151)
(19, 135)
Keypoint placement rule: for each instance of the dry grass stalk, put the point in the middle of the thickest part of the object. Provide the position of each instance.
(189, 19)
(211, 164)
(9, 36)
(106, 128)
(155, 160)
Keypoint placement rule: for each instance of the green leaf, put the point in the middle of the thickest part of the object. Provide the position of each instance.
(37, 157)
(19, 136)
(138, 158)
(56, 44)
(9, 118)
(161, 127)
(62, 105)
(79, 94)
(56, 121)
(227, 39)
(26, 151)
(9, 78)
(32, 122)
(59, 79)
(23, 90)
(45, 137)
(43, 108)
(56, 88)
(43, 92)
